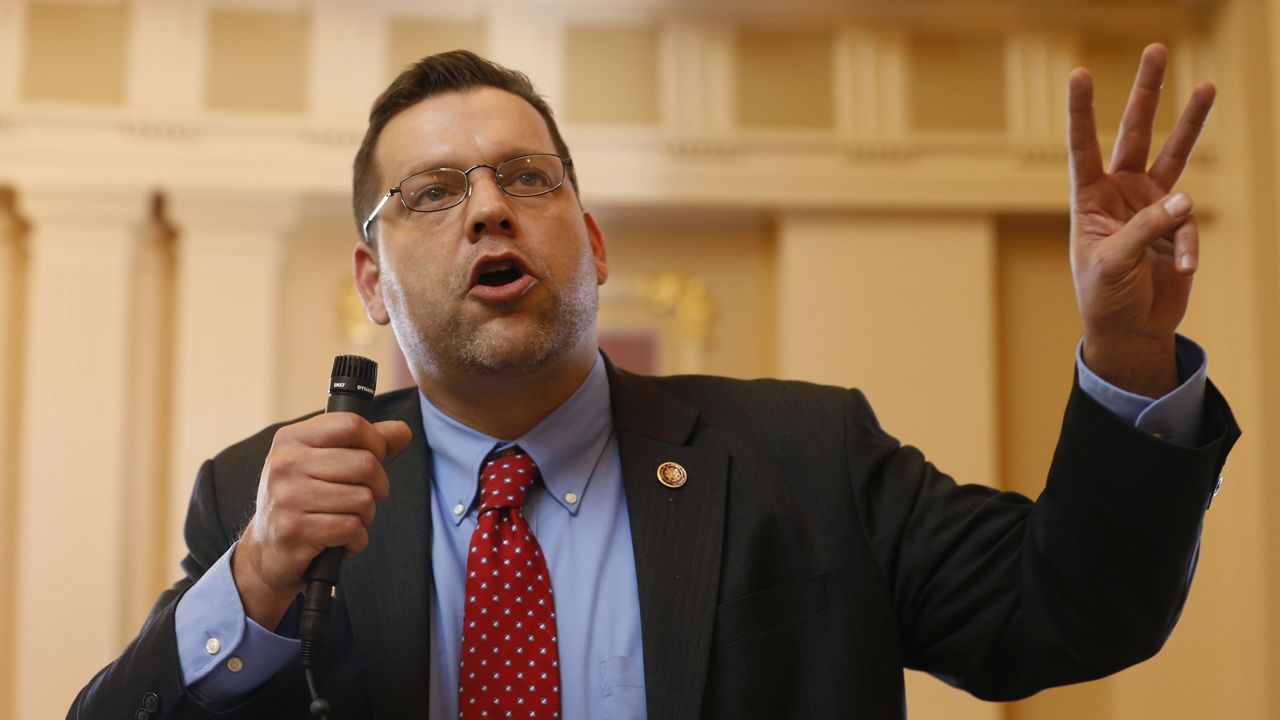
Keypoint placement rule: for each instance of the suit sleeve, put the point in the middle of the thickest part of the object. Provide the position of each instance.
(147, 676)
(1004, 597)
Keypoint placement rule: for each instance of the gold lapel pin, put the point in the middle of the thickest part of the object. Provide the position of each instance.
(672, 474)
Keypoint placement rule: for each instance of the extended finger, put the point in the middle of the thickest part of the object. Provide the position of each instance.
(1177, 149)
(1133, 141)
(1085, 155)
(1153, 222)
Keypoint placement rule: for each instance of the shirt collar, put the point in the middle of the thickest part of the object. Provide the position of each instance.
(566, 446)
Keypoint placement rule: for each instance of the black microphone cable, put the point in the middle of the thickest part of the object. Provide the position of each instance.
(351, 386)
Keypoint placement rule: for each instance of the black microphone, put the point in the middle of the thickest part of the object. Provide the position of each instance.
(351, 386)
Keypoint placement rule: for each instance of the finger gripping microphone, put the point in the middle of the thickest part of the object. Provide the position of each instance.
(351, 386)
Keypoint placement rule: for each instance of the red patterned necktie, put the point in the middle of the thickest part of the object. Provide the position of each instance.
(510, 664)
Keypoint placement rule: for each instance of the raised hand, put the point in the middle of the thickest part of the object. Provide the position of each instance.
(1135, 243)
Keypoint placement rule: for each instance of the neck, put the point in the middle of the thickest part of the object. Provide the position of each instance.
(506, 406)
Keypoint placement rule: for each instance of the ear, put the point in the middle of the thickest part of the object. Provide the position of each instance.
(597, 248)
(368, 278)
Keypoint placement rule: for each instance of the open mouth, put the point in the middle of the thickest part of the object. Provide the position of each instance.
(499, 277)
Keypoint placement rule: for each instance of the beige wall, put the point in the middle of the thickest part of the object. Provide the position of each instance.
(733, 256)
(903, 308)
(872, 199)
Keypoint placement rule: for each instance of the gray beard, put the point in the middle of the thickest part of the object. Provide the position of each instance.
(557, 329)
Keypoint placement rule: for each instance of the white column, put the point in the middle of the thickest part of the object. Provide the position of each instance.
(698, 79)
(528, 38)
(13, 25)
(166, 56)
(902, 307)
(12, 301)
(870, 83)
(229, 263)
(347, 61)
(78, 499)
(1036, 68)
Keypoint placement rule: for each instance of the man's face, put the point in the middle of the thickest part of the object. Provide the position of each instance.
(498, 284)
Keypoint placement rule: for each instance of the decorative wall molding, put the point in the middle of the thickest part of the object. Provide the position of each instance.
(163, 137)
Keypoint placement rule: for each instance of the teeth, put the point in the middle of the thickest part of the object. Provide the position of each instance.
(497, 267)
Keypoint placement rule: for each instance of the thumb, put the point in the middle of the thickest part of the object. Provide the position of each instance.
(396, 433)
(1153, 222)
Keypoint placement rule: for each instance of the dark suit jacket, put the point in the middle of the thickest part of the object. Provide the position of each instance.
(808, 559)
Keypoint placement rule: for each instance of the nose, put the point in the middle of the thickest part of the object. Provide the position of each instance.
(488, 208)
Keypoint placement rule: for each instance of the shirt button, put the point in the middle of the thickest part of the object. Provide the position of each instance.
(570, 498)
(213, 646)
(458, 509)
(235, 664)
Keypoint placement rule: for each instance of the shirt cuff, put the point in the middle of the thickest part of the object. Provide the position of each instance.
(225, 655)
(1176, 417)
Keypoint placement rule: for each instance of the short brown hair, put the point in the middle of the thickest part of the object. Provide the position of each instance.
(433, 75)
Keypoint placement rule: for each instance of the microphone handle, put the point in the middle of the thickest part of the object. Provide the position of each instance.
(322, 574)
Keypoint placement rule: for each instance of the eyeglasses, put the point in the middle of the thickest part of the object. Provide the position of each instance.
(443, 188)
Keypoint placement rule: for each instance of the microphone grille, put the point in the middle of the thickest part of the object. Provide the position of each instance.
(359, 368)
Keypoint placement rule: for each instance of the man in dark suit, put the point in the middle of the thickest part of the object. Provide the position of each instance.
(716, 547)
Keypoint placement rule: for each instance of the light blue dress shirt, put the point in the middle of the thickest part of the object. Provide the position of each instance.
(579, 515)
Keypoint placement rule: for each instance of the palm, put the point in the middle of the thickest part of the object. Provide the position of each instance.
(1131, 285)
(1154, 293)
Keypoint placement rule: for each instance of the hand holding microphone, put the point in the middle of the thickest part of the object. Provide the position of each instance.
(319, 489)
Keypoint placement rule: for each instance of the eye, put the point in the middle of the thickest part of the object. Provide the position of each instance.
(435, 193)
(530, 177)
(434, 190)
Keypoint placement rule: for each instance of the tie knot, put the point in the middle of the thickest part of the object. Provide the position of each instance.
(505, 478)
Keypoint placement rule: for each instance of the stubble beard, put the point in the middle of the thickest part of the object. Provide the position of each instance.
(556, 329)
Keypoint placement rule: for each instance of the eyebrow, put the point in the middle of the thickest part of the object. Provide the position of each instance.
(424, 166)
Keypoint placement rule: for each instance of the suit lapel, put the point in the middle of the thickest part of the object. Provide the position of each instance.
(677, 535)
(385, 587)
